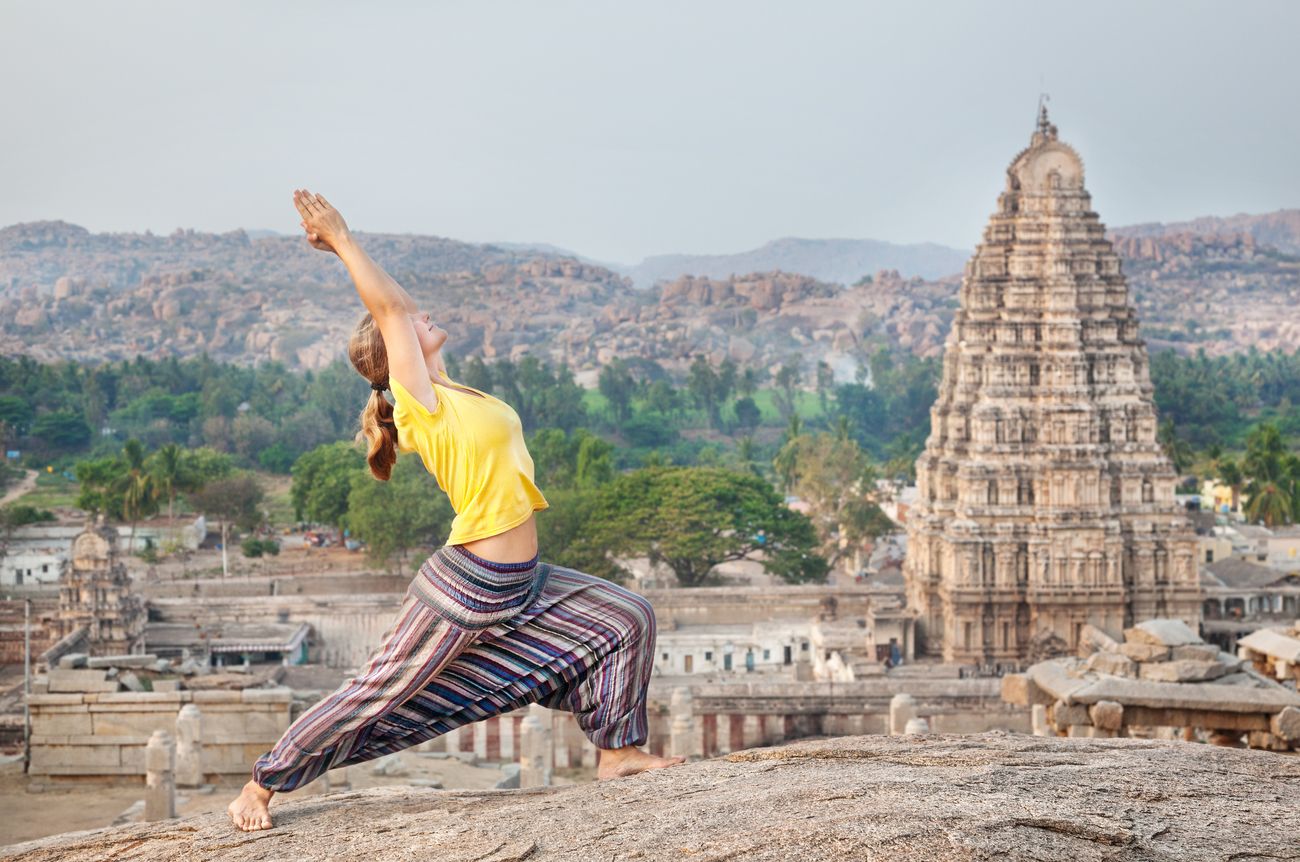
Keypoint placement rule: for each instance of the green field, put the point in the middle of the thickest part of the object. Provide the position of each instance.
(51, 490)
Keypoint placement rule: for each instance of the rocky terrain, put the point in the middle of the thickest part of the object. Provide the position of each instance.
(1280, 229)
(68, 293)
(921, 798)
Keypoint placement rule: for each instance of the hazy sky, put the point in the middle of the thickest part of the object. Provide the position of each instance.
(622, 129)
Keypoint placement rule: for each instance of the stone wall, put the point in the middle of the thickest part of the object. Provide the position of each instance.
(89, 735)
(346, 628)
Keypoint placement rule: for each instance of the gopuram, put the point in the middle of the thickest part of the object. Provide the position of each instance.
(97, 609)
(1044, 501)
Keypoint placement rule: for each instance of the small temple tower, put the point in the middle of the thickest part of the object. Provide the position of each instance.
(1045, 502)
(94, 593)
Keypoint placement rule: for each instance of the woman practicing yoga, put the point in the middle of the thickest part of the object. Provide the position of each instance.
(485, 626)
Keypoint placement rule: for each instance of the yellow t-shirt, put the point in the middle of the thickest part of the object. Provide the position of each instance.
(475, 448)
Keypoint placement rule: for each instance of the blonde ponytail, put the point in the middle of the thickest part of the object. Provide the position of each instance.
(379, 430)
(370, 359)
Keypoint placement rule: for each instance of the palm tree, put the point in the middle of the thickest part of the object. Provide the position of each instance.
(167, 467)
(1271, 473)
(139, 492)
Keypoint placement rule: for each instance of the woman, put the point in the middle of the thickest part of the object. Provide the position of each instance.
(485, 626)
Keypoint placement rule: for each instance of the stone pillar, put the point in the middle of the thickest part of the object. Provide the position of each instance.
(453, 739)
(480, 740)
(753, 731)
(160, 777)
(682, 737)
(1039, 719)
(556, 720)
(916, 725)
(535, 748)
(902, 709)
(189, 747)
(506, 734)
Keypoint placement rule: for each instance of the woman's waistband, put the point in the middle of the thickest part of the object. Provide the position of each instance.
(473, 592)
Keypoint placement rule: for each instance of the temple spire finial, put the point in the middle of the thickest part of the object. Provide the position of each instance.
(1043, 124)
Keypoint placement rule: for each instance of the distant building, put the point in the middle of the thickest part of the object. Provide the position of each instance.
(95, 595)
(1242, 596)
(1044, 501)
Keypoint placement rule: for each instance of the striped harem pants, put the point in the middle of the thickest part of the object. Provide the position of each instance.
(475, 639)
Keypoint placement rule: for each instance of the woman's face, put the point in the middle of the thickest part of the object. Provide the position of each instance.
(430, 335)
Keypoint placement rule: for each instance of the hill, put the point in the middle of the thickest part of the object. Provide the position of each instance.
(1280, 229)
(838, 260)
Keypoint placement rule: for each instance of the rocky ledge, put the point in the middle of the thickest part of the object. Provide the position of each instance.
(992, 796)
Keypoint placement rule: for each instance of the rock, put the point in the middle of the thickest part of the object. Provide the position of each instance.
(1144, 652)
(1098, 639)
(1286, 724)
(63, 681)
(1162, 632)
(388, 765)
(1195, 652)
(870, 797)
(434, 783)
(1183, 671)
(1064, 715)
(1113, 664)
(131, 682)
(916, 725)
(1107, 714)
(73, 660)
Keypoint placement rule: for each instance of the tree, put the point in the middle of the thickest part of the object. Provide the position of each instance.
(139, 493)
(322, 480)
(709, 388)
(61, 429)
(693, 518)
(825, 383)
(618, 386)
(748, 415)
(787, 386)
(1176, 448)
(235, 500)
(407, 511)
(1230, 475)
(101, 485)
(1273, 477)
(167, 467)
(837, 480)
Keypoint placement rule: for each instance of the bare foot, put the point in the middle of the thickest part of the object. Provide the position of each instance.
(629, 760)
(249, 811)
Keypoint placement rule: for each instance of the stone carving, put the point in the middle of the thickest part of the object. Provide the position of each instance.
(1045, 502)
(95, 594)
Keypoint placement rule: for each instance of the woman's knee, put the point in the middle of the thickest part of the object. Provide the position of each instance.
(640, 620)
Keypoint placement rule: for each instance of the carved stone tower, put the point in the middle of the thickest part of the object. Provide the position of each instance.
(95, 593)
(1045, 501)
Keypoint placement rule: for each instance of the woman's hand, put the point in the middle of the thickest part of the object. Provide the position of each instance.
(324, 225)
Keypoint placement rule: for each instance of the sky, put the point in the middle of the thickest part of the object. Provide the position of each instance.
(621, 130)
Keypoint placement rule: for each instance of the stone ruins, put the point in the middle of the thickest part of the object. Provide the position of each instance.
(97, 609)
(1045, 502)
(1163, 680)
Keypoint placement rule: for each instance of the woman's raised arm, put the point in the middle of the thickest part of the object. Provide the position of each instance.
(384, 298)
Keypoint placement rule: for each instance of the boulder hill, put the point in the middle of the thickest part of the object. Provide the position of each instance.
(991, 796)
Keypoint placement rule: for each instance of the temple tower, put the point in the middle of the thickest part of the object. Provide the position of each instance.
(1045, 502)
(95, 594)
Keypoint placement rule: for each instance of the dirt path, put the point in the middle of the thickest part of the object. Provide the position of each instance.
(25, 484)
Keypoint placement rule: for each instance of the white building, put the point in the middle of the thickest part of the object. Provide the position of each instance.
(35, 553)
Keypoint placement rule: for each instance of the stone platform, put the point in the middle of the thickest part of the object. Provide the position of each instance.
(992, 796)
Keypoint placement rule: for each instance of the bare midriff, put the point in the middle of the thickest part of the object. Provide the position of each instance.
(516, 545)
